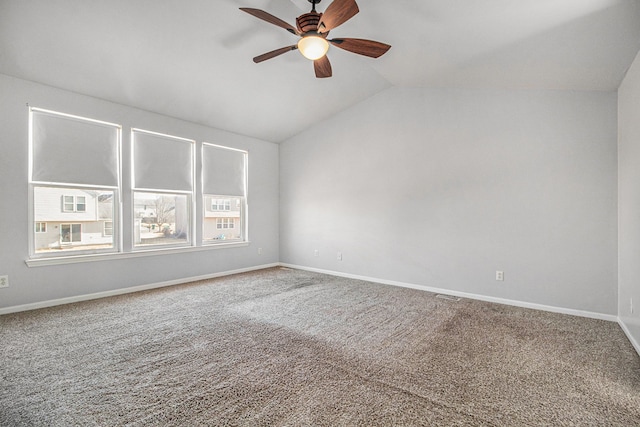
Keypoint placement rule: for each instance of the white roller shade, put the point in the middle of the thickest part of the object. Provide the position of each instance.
(223, 171)
(73, 150)
(162, 162)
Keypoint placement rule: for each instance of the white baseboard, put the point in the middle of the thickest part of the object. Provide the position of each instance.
(87, 297)
(516, 303)
(626, 330)
(78, 298)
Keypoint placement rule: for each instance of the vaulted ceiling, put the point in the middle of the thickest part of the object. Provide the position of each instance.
(191, 59)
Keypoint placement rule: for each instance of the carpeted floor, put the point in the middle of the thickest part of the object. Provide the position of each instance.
(294, 348)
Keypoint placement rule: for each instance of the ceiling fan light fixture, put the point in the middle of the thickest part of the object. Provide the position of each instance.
(313, 29)
(313, 47)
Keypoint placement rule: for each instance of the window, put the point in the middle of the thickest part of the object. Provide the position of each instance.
(163, 186)
(81, 203)
(221, 205)
(75, 190)
(224, 173)
(225, 223)
(72, 203)
(68, 204)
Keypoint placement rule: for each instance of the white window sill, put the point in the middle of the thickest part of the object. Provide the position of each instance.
(73, 259)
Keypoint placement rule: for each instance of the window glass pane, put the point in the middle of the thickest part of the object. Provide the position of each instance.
(160, 219)
(223, 221)
(76, 233)
(73, 150)
(63, 230)
(81, 204)
(65, 233)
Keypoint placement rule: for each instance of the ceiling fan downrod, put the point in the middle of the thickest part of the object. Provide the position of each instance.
(313, 4)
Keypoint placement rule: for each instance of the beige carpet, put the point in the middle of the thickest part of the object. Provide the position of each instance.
(286, 347)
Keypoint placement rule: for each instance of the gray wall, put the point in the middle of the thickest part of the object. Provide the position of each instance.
(442, 188)
(629, 200)
(35, 284)
(429, 187)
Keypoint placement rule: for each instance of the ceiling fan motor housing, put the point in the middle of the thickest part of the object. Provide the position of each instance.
(308, 22)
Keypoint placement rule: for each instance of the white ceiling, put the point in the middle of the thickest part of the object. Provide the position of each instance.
(191, 59)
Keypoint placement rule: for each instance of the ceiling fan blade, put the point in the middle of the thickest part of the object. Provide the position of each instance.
(274, 53)
(338, 12)
(322, 67)
(261, 14)
(362, 47)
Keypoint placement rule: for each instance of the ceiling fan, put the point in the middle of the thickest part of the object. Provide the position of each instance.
(313, 29)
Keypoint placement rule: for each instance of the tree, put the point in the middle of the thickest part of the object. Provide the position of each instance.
(165, 207)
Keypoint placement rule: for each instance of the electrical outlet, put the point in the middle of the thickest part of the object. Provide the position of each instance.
(259, 251)
(499, 275)
(631, 305)
(339, 256)
(4, 281)
(316, 253)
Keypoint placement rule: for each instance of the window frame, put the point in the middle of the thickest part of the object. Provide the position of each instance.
(65, 255)
(190, 195)
(68, 203)
(243, 225)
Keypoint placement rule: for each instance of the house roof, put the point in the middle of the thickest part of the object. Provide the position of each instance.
(192, 60)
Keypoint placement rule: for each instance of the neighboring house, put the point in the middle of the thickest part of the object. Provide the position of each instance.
(68, 218)
(72, 218)
(222, 218)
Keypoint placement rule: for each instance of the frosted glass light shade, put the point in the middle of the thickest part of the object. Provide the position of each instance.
(313, 47)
